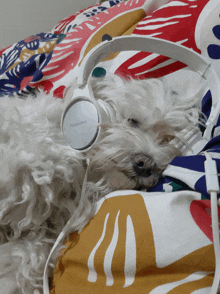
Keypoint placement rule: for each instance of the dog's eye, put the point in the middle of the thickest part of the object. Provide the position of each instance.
(133, 122)
(174, 93)
(167, 139)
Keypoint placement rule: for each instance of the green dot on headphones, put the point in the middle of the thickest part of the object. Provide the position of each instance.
(99, 72)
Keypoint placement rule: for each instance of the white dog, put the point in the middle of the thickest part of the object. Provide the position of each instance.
(41, 177)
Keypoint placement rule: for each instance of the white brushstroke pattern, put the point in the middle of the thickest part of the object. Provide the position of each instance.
(110, 253)
(92, 276)
(67, 41)
(155, 27)
(130, 254)
(53, 67)
(163, 19)
(173, 4)
(151, 57)
(144, 60)
(160, 65)
(91, 27)
(52, 76)
(61, 57)
(164, 289)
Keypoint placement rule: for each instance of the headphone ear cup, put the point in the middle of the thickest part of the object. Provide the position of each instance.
(80, 123)
(82, 117)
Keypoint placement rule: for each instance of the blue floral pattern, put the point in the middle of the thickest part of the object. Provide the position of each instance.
(213, 49)
(16, 67)
(21, 64)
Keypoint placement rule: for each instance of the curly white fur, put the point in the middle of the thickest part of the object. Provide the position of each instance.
(40, 182)
(41, 178)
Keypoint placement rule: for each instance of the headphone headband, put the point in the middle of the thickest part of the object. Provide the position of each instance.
(140, 43)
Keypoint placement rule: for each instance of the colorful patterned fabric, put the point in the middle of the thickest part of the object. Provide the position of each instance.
(158, 241)
(50, 60)
(141, 243)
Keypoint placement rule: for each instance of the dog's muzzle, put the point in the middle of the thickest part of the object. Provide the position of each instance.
(144, 165)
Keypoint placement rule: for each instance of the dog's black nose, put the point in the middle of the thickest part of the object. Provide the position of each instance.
(143, 165)
(141, 171)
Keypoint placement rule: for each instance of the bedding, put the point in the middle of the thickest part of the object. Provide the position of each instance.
(155, 241)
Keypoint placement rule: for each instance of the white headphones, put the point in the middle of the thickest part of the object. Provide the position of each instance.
(81, 118)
